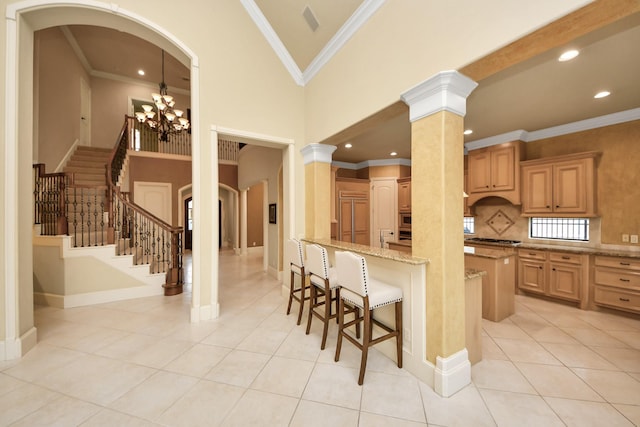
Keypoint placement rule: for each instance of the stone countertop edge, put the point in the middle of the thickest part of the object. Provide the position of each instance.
(471, 273)
(390, 254)
(490, 253)
(569, 249)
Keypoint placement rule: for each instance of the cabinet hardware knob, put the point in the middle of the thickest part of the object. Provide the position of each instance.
(624, 299)
(625, 263)
(553, 269)
(624, 280)
(566, 257)
(531, 253)
(548, 206)
(540, 267)
(557, 206)
(487, 186)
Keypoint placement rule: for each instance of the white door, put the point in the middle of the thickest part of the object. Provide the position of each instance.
(85, 113)
(154, 197)
(384, 211)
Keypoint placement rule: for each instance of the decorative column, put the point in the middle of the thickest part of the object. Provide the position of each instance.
(243, 222)
(436, 109)
(317, 190)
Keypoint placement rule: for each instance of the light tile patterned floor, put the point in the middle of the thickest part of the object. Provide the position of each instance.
(141, 363)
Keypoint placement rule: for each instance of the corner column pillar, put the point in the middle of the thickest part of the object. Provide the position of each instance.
(317, 190)
(243, 222)
(436, 109)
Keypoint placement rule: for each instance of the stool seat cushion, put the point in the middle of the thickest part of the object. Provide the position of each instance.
(296, 269)
(380, 294)
(333, 279)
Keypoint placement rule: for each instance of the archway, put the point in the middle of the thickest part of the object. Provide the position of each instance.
(22, 19)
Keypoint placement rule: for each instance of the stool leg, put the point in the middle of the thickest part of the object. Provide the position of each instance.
(290, 293)
(302, 292)
(399, 331)
(340, 328)
(366, 340)
(313, 300)
(327, 312)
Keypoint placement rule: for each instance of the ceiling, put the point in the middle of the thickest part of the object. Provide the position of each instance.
(534, 95)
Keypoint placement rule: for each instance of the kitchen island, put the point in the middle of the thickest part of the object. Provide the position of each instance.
(498, 285)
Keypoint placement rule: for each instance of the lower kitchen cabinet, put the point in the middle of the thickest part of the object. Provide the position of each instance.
(617, 283)
(554, 274)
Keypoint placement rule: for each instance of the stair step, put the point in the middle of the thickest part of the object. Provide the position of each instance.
(81, 169)
(93, 150)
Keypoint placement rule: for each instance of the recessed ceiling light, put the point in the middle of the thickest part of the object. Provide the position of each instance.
(393, 153)
(568, 55)
(141, 72)
(602, 94)
(468, 132)
(348, 145)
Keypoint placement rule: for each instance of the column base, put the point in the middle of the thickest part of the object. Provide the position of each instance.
(452, 374)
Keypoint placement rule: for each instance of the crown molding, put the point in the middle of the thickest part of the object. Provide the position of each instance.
(568, 128)
(350, 27)
(272, 38)
(370, 163)
(317, 153)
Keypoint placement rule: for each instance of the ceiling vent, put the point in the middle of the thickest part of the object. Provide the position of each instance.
(310, 18)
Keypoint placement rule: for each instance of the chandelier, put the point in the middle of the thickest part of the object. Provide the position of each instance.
(169, 120)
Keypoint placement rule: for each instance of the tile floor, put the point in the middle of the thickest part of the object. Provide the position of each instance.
(140, 363)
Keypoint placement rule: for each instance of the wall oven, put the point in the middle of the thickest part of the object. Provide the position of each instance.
(404, 226)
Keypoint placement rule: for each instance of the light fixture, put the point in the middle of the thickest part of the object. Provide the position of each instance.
(568, 55)
(468, 132)
(169, 120)
(141, 72)
(393, 153)
(602, 94)
(348, 145)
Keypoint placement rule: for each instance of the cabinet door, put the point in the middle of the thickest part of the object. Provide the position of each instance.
(565, 281)
(569, 192)
(404, 197)
(531, 275)
(345, 220)
(503, 174)
(537, 189)
(361, 221)
(479, 171)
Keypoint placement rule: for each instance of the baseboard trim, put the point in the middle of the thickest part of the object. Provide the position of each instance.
(99, 297)
(452, 373)
(205, 312)
(15, 349)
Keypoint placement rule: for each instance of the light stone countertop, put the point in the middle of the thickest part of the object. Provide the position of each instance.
(560, 248)
(490, 253)
(369, 250)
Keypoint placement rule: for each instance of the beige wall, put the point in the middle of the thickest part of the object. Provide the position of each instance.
(58, 114)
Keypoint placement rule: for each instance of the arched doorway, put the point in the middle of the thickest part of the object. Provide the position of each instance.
(22, 19)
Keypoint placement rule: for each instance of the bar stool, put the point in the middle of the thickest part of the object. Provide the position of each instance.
(323, 285)
(359, 290)
(296, 265)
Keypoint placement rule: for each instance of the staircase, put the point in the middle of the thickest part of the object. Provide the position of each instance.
(86, 196)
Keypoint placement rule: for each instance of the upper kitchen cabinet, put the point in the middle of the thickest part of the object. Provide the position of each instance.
(563, 186)
(495, 171)
(404, 195)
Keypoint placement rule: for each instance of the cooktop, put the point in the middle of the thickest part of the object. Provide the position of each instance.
(489, 240)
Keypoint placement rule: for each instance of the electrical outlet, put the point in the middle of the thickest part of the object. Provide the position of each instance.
(634, 238)
(625, 238)
(406, 335)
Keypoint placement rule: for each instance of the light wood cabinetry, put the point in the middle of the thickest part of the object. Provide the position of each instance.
(495, 171)
(617, 283)
(404, 195)
(563, 186)
(353, 210)
(556, 274)
(467, 208)
(498, 285)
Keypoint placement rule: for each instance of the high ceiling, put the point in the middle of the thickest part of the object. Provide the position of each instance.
(534, 95)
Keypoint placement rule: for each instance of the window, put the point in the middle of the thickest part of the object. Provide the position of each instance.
(469, 225)
(559, 228)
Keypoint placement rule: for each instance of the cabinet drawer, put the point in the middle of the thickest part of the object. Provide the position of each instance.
(532, 254)
(618, 278)
(565, 257)
(615, 262)
(617, 298)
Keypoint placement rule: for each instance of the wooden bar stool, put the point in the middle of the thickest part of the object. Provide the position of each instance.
(296, 265)
(324, 288)
(359, 290)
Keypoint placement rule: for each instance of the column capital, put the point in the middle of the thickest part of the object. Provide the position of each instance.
(317, 153)
(446, 91)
